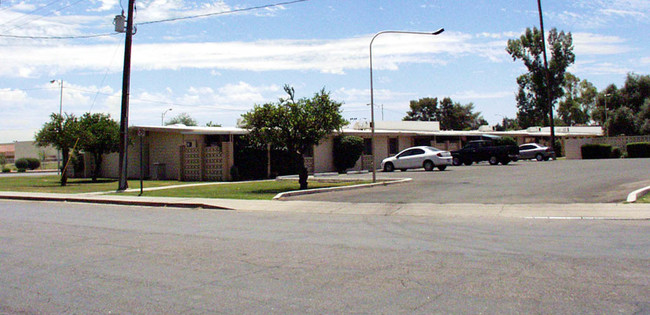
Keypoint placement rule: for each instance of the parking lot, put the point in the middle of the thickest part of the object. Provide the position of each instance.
(561, 181)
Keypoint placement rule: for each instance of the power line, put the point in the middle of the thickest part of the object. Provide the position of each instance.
(223, 12)
(58, 37)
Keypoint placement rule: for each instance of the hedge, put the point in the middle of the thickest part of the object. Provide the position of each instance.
(638, 150)
(596, 151)
(27, 163)
(347, 150)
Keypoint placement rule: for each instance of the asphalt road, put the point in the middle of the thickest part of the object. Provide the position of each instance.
(76, 258)
(523, 182)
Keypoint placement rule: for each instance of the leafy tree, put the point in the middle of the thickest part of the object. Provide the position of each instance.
(182, 118)
(424, 109)
(297, 125)
(3, 160)
(579, 101)
(62, 133)
(452, 116)
(621, 122)
(625, 110)
(533, 96)
(507, 124)
(100, 135)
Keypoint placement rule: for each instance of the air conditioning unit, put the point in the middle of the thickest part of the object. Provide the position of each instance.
(190, 144)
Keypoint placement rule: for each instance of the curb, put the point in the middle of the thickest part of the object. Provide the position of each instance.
(633, 196)
(122, 202)
(342, 188)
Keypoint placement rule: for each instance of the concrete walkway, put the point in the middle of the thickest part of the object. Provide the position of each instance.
(529, 211)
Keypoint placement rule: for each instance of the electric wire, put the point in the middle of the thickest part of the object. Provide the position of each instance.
(223, 12)
(58, 37)
(43, 16)
(28, 14)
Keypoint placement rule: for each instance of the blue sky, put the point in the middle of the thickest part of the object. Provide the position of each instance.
(217, 67)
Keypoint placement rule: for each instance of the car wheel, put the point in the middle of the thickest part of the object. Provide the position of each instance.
(539, 157)
(428, 166)
(442, 167)
(493, 160)
(547, 158)
(505, 161)
(402, 169)
(389, 167)
(456, 161)
(468, 162)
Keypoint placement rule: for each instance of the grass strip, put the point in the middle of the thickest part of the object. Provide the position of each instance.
(260, 190)
(52, 184)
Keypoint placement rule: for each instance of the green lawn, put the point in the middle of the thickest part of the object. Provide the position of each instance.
(51, 184)
(264, 190)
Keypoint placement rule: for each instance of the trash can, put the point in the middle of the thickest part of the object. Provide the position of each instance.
(160, 171)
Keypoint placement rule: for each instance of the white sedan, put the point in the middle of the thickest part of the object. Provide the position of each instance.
(417, 157)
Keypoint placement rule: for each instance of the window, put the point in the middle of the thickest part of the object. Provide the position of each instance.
(392, 146)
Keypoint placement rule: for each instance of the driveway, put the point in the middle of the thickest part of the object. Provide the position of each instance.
(563, 181)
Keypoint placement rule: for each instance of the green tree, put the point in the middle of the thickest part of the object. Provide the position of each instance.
(297, 125)
(578, 102)
(621, 122)
(63, 134)
(424, 109)
(533, 96)
(452, 116)
(182, 118)
(100, 135)
(507, 124)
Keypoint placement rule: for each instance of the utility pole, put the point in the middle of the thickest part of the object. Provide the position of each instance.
(547, 74)
(124, 118)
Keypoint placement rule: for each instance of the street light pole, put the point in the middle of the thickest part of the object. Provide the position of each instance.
(162, 117)
(58, 152)
(372, 95)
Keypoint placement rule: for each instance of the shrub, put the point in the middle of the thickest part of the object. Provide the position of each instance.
(347, 150)
(505, 141)
(638, 149)
(616, 153)
(21, 170)
(33, 163)
(596, 151)
(22, 163)
(6, 170)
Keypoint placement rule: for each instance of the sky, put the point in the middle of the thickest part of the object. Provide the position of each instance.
(227, 57)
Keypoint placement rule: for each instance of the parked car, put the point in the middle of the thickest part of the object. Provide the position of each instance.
(485, 150)
(529, 151)
(417, 157)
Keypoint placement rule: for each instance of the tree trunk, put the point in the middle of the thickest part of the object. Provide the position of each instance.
(302, 172)
(98, 165)
(64, 174)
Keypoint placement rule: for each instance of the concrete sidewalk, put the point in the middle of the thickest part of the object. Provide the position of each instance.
(530, 211)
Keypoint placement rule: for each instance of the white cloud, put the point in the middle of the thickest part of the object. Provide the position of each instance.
(326, 56)
(596, 44)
